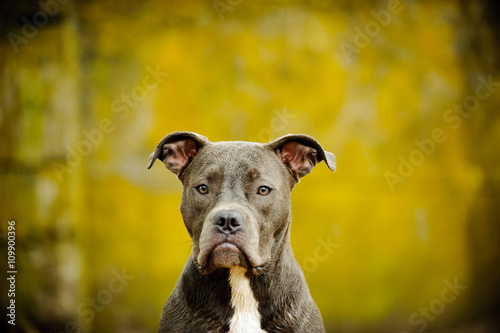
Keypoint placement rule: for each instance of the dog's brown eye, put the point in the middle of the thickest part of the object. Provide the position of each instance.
(202, 189)
(264, 190)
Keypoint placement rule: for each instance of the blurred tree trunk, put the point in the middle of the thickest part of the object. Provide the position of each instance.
(480, 42)
(40, 119)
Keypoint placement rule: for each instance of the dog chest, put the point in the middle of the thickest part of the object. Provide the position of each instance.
(246, 318)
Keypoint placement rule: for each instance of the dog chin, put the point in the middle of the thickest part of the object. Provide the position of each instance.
(224, 255)
(228, 255)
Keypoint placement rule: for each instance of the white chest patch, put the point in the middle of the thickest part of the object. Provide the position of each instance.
(246, 318)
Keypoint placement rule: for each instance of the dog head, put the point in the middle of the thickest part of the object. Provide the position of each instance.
(236, 198)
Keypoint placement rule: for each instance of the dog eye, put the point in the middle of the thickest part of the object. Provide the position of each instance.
(264, 190)
(202, 189)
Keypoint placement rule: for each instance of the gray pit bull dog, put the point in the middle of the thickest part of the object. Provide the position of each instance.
(241, 276)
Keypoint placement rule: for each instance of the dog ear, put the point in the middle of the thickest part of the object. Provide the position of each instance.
(177, 150)
(300, 153)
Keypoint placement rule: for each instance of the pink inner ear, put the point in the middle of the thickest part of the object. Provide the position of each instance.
(178, 154)
(296, 155)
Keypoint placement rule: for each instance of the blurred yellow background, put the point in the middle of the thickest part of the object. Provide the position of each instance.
(404, 93)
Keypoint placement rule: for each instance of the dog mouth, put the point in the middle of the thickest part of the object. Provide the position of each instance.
(213, 249)
(222, 254)
(228, 255)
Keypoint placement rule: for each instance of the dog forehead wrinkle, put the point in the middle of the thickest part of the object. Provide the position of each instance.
(213, 175)
(242, 159)
(206, 167)
(232, 187)
(240, 178)
(252, 174)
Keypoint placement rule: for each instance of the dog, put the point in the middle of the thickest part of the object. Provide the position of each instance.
(241, 276)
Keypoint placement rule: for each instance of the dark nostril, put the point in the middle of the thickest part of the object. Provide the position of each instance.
(235, 222)
(220, 221)
(228, 221)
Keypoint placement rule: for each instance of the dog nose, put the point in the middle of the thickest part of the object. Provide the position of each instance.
(228, 221)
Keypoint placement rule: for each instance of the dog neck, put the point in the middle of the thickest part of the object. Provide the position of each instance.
(246, 317)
